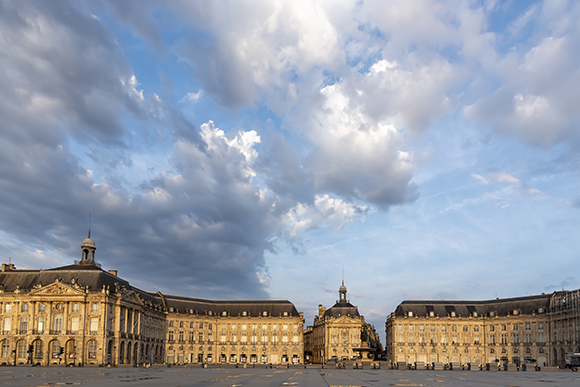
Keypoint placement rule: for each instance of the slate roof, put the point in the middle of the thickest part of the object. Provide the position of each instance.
(94, 277)
(500, 307)
(342, 309)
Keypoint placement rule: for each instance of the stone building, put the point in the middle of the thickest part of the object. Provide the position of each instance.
(82, 314)
(513, 330)
(564, 325)
(337, 332)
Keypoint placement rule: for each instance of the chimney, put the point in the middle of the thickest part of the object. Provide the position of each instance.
(113, 272)
(8, 266)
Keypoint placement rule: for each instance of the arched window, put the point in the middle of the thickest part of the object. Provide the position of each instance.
(22, 349)
(57, 325)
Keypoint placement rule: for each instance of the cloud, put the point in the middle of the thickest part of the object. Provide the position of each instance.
(192, 97)
(518, 185)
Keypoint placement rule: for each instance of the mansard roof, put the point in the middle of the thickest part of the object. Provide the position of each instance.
(231, 307)
(342, 309)
(499, 307)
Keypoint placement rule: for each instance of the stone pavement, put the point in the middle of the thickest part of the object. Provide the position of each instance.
(215, 377)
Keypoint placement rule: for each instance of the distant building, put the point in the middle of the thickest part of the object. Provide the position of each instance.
(538, 329)
(82, 314)
(337, 332)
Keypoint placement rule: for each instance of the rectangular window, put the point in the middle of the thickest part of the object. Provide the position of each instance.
(75, 308)
(40, 324)
(422, 338)
(8, 308)
(541, 338)
(180, 335)
(454, 339)
(233, 327)
(492, 339)
(433, 339)
(5, 348)
(400, 339)
(275, 327)
(504, 338)
(200, 337)
(41, 307)
(515, 327)
(191, 337)
(476, 340)
(209, 326)
(443, 339)
(200, 325)
(465, 328)
(411, 327)
(7, 323)
(285, 337)
(443, 328)
(540, 325)
(23, 324)
(275, 338)
(244, 338)
(400, 328)
(432, 328)
(234, 338)
(223, 338)
(209, 337)
(503, 327)
(254, 327)
(528, 338)
(476, 328)
(285, 327)
(94, 308)
(244, 327)
(22, 349)
(74, 325)
(223, 327)
(264, 338)
(170, 324)
(254, 338)
(454, 328)
(190, 325)
(528, 326)
(411, 339)
(94, 327)
(515, 338)
(181, 324)
(24, 308)
(491, 328)
(295, 338)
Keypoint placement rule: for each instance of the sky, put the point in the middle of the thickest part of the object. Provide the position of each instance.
(259, 149)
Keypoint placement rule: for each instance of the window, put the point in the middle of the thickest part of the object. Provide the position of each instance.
(23, 324)
(254, 338)
(190, 325)
(285, 337)
(181, 324)
(233, 327)
(234, 338)
(57, 323)
(443, 328)
(180, 335)
(191, 338)
(22, 349)
(433, 339)
(285, 327)
(491, 328)
(515, 327)
(94, 327)
(7, 324)
(24, 308)
(209, 337)
(492, 339)
(170, 336)
(411, 339)
(515, 338)
(244, 338)
(8, 308)
(476, 339)
(41, 307)
(94, 308)
(295, 338)
(399, 328)
(454, 339)
(55, 349)
(170, 324)
(400, 338)
(244, 327)
(200, 325)
(465, 328)
(200, 337)
(223, 338)
(421, 328)
(422, 339)
(75, 308)
(264, 338)
(432, 328)
(443, 339)
(40, 324)
(541, 338)
(528, 338)
(503, 327)
(74, 325)
(411, 328)
(275, 338)
(528, 326)
(504, 338)
(223, 327)
(540, 325)
(454, 328)
(476, 328)
(93, 349)
(209, 326)
(5, 349)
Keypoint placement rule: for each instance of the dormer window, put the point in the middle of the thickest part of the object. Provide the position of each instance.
(224, 313)
(265, 314)
(431, 314)
(244, 313)
(474, 314)
(410, 314)
(285, 313)
(209, 313)
(541, 310)
(452, 314)
(515, 312)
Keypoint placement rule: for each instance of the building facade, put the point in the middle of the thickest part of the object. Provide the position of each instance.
(339, 332)
(537, 329)
(82, 314)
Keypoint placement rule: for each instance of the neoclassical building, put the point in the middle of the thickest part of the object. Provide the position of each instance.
(539, 329)
(337, 332)
(85, 315)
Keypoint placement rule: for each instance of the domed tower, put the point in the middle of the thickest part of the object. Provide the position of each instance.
(88, 248)
(342, 293)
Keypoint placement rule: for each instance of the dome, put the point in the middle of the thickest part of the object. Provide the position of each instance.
(342, 289)
(88, 242)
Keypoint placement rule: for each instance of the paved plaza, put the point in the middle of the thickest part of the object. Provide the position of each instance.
(215, 377)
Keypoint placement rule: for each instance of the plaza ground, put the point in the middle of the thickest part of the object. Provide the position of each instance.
(261, 377)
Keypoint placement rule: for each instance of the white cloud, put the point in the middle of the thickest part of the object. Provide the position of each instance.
(192, 97)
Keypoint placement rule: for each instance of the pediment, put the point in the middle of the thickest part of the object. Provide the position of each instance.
(56, 289)
(132, 296)
(346, 319)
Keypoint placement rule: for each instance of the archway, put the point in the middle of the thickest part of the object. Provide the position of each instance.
(54, 350)
(555, 355)
(21, 350)
(136, 353)
(70, 351)
(109, 351)
(92, 350)
(129, 353)
(37, 351)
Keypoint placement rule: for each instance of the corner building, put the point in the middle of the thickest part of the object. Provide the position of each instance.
(81, 314)
(512, 330)
(337, 331)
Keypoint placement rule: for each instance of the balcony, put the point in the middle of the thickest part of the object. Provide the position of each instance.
(72, 332)
(55, 332)
(23, 332)
(93, 333)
